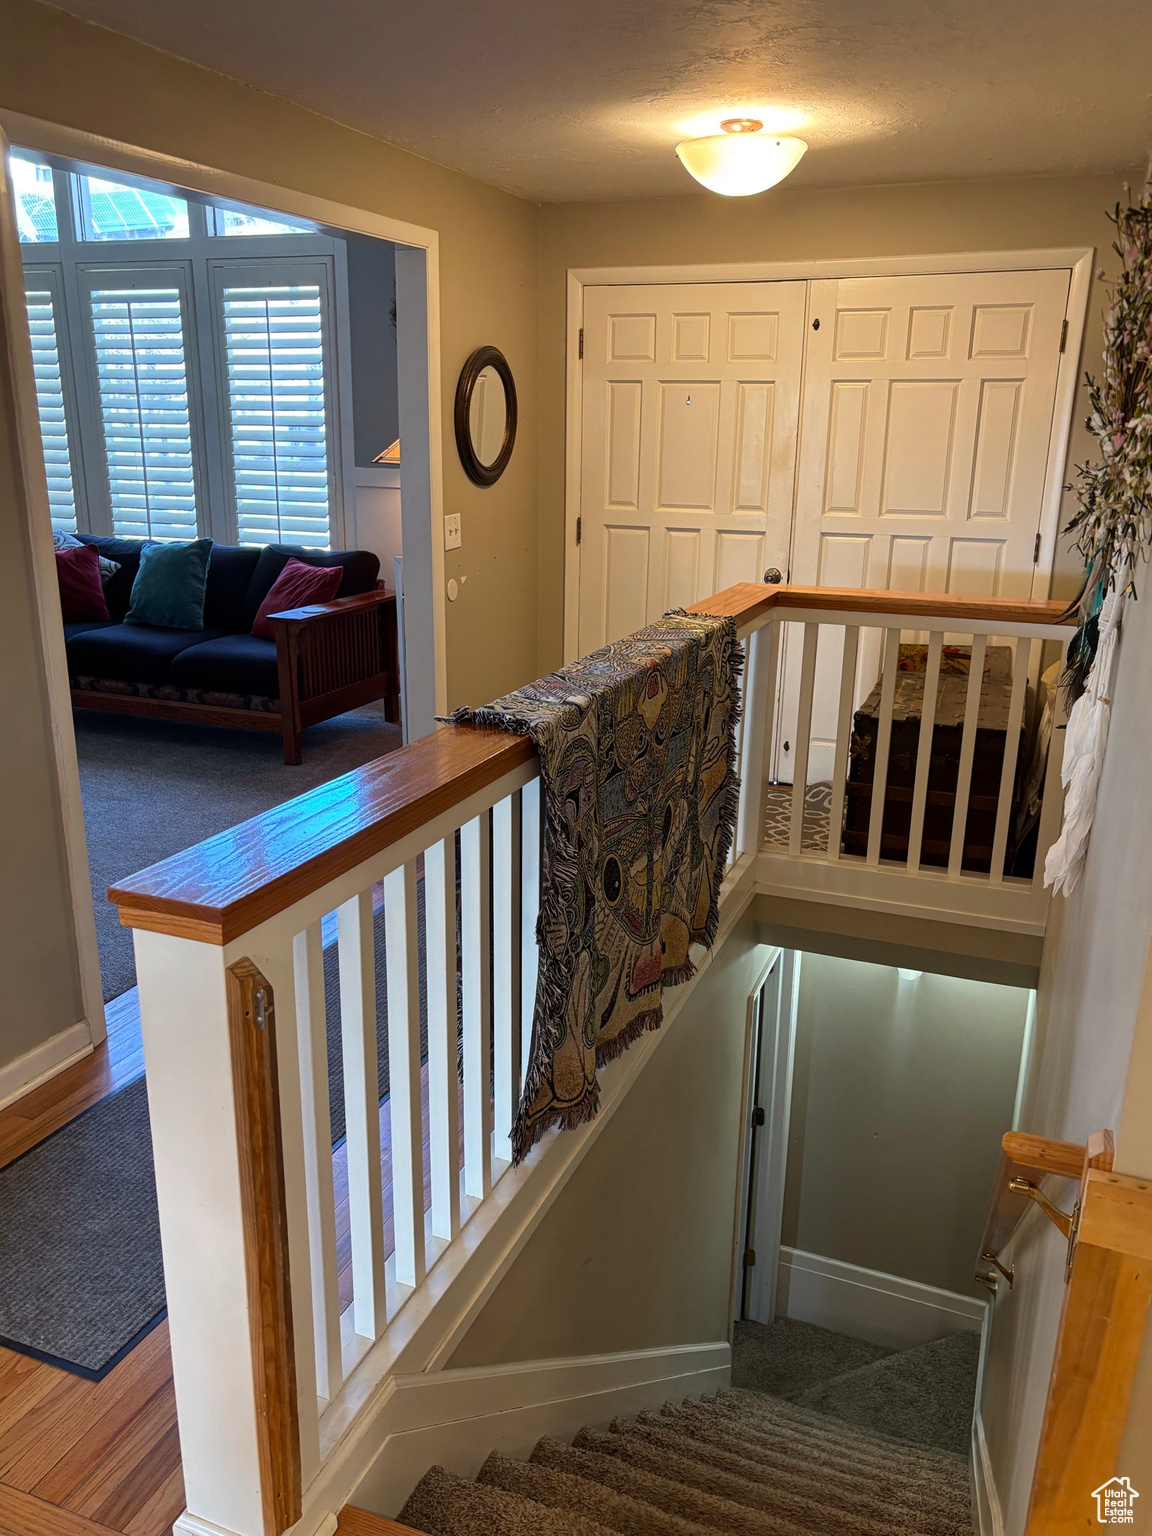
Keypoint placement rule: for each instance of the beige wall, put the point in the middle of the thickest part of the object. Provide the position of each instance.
(66, 71)
(636, 1253)
(1094, 1014)
(794, 225)
(901, 1091)
(41, 986)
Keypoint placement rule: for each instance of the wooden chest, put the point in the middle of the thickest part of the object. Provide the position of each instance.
(943, 771)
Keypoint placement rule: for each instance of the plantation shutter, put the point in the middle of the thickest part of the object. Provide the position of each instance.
(277, 362)
(143, 387)
(42, 323)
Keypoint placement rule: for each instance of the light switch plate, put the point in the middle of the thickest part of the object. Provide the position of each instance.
(452, 531)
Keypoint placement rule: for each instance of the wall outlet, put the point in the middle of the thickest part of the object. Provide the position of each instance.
(452, 531)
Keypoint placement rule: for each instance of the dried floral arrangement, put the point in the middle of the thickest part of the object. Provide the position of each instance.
(1113, 523)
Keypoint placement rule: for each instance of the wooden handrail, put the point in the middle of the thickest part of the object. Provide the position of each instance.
(1028, 1157)
(748, 601)
(1102, 1327)
(222, 887)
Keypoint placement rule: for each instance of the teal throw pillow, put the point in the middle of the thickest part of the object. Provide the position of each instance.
(169, 586)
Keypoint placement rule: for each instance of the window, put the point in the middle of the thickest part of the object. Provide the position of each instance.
(109, 211)
(275, 351)
(234, 221)
(142, 383)
(187, 380)
(40, 294)
(35, 201)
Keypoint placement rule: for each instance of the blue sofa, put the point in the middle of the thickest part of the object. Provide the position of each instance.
(326, 658)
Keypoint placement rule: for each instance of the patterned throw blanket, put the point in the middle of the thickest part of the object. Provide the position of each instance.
(637, 748)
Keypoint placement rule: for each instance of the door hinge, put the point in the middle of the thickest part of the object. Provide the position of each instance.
(749, 1257)
(1063, 336)
(579, 528)
(758, 1116)
(580, 345)
(1036, 551)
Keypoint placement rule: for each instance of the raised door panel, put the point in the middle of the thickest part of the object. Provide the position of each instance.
(690, 412)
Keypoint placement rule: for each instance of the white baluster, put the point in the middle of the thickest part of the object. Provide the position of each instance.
(762, 652)
(530, 854)
(967, 751)
(506, 969)
(1011, 754)
(362, 1112)
(803, 737)
(443, 1072)
(844, 713)
(312, 1041)
(924, 750)
(475, 977)
(883, 743)
(402, 950)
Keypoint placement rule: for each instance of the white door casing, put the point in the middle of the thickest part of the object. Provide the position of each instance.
(690, 412)
(926, 425)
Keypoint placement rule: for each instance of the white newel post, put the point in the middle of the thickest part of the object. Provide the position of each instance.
(184, 1021)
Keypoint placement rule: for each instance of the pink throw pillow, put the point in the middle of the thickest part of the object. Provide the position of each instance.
(81, 590)
(297, 585)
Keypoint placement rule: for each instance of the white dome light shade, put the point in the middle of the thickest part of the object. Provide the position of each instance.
(740, 161)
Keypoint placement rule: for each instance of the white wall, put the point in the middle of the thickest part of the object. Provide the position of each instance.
(901, 1092)
(1088, 1005)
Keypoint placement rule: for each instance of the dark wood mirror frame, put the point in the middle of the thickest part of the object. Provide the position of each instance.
(484, 357)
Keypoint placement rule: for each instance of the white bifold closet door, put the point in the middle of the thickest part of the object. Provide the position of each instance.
(690, 412)
(925, 436)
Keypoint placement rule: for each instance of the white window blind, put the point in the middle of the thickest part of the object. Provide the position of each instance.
(142, 379)
(50, 400)
(275, 351)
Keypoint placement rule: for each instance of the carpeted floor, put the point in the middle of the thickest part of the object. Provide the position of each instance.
(787, 1358)
(80, 1238)
(152, 788)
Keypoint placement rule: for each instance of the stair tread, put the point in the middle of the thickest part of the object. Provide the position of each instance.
(794, 1463)
(562, 1490)
(691, 1463)
(443, 1504)
(706, 1509)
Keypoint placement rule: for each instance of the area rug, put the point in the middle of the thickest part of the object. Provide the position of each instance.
(637, 747)
(816, 815)
(83, 1279)
(152, 788)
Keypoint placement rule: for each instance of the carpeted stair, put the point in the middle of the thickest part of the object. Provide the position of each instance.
(743, 1462)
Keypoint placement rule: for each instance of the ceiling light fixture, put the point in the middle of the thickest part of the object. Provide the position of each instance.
(741, 160)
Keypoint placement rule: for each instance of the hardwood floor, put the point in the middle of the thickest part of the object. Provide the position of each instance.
(83, 1458)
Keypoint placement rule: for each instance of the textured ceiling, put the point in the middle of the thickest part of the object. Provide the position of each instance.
(586, 99)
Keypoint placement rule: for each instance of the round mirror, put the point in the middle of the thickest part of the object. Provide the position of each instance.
(485, 415)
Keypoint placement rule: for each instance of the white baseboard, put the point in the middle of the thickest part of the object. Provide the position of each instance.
(454, 1419)
(867, 1304)
(42, 1062)
(987, 1515)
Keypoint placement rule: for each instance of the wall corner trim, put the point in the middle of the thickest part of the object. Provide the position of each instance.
(44, 1061)
(867, 1304)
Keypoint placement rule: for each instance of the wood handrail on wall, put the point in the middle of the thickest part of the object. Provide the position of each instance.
(1025, 1158)
(1108, 1287)
(222, 887)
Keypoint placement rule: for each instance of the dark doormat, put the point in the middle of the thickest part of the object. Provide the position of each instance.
(81, 1277)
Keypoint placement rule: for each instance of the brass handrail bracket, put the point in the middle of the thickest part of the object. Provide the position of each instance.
(1053, 1212)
